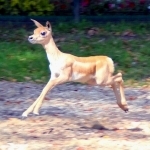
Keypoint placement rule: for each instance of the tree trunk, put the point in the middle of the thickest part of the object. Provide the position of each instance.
(76, 10)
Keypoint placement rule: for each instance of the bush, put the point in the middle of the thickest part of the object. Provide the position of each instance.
(116, 6)
(26, 7)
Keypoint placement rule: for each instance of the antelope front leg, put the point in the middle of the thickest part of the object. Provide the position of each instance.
(37, 104)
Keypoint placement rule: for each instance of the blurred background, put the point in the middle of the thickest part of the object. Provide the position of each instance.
(119, 29)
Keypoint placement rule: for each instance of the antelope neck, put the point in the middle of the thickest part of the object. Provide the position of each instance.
(53, 53)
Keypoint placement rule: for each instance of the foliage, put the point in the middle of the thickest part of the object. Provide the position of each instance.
(116, 6)
(25, 7)
(64, 7)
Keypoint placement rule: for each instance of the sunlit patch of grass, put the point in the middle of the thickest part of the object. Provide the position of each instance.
(19, 61)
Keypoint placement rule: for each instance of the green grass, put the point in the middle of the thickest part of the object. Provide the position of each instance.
(21, 61)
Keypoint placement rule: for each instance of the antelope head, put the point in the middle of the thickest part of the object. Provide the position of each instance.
(42, 34)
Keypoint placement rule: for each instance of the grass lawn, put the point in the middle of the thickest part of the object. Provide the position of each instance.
(127, 44)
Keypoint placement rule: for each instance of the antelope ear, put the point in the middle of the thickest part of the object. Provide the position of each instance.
(37, 23)
(48, 25)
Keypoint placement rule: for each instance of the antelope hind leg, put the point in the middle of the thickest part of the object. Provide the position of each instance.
(118, 89)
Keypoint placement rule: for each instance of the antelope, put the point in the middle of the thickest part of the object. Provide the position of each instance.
(64, 67)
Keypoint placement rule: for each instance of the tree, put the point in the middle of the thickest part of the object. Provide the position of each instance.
(76, 10)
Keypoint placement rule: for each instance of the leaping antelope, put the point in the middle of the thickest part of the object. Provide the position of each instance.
(93, 70)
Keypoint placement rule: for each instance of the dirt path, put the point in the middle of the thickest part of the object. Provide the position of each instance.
(73, 117)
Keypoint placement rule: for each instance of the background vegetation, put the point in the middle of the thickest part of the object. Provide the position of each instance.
(26, 7)
(127, 44)
(65, 7)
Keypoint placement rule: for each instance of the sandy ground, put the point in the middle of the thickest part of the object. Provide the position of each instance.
(73, 117)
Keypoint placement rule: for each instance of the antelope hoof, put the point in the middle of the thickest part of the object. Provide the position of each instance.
(25, 114)
(36, 113)
(124, 107)
(126, 110)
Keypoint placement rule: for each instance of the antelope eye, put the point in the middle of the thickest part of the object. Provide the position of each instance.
(43, 33)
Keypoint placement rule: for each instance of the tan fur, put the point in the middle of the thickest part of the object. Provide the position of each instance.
(93, 70)
(89, 65)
